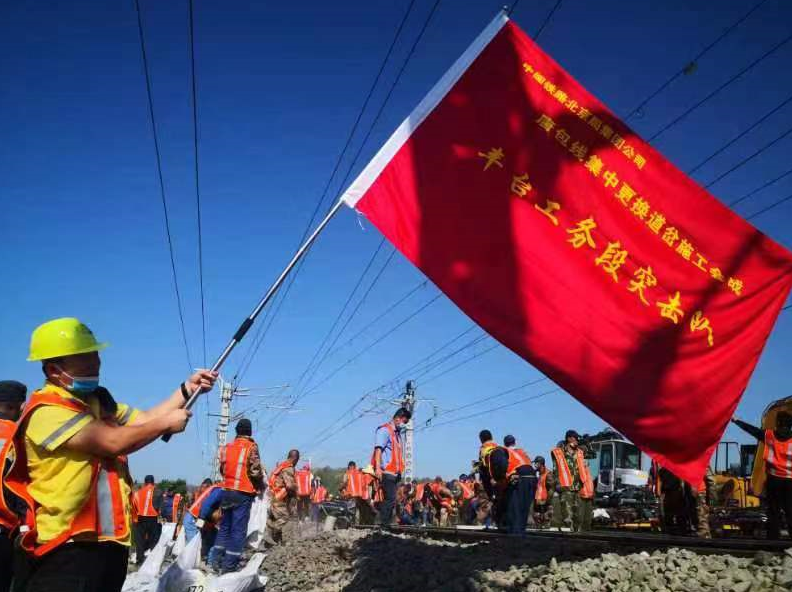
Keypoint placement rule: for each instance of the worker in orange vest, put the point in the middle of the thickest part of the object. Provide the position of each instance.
(71, 469)
(541, 508)
(778, 466)
(283, 489)
(442, 501)
(204, 515)
(573, 479)
(243, 478)
(318, 496)
(303, 478)
(514, 476)
(148, 500)
(388, 461)
(467, 493)
(12, 509)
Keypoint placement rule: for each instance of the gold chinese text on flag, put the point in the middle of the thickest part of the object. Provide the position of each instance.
(579, 246)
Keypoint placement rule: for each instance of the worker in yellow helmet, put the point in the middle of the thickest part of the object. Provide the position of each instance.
(71, 469)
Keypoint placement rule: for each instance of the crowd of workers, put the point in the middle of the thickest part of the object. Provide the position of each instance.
(69, 512)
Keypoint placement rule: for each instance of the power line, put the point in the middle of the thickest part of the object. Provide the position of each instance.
(770, 207)
(197, 184)
(379, 317)
(741, 134)
(717, 91)
(261, 333)
(547, 20)
(493, 409)
(395, 378)
(149, 95)
(495, 396)
(431, 366)
(747, 159)
(462, 363)
(377, 341)
(692, 62)
(758, 189)
(337, 320)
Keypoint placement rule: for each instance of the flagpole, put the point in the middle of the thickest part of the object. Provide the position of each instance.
(248, 322)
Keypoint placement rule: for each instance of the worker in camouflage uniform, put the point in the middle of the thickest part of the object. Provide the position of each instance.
(574, 484)
(283, 489)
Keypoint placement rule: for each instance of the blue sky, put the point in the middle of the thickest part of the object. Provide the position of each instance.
(279, 87)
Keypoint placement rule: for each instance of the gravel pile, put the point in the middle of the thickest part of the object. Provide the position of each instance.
(372, 561)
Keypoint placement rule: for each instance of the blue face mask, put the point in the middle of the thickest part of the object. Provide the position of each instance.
(82, 384)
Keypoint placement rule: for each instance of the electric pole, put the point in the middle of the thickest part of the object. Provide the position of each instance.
(408, 402)
(226, 393)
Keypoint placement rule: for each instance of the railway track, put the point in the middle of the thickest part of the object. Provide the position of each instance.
(614, 540)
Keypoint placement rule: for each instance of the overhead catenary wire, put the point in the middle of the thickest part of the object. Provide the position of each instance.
(336, 321)
(770, 207)
(749, 158)
(742, 134)
(493, 409)
(547, 19)
(460, 364)
(197, 181)
(719, 89)
(264, 328)
(495, 396)
(701, 54)
(760, 188)
(153, 121)
(393, 380)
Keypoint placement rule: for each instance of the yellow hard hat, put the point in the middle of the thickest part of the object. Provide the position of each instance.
(62, 337)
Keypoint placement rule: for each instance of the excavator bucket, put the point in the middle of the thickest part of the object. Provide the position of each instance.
(758, 476)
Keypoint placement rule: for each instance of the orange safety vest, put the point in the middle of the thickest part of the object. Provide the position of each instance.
(778, 455)
(144, 501)
(195, 509)
(419, 491)
(541, 488)
(565, 475)
(356, 484)
(517, 458)
(102, 514)
(235, 475)
(8, 518)
(396, 463)
(276, 485)
(442, 500)
(467, 491)
(303, 478)
(320, 494)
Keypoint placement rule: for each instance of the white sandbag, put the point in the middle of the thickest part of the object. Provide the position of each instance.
(153, 563)
(257, 524)
(190, 557)
(180, 544)
(138, 582)
(244, 580)
(176, 579)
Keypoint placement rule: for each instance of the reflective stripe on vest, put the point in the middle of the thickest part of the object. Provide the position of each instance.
(517, 458)
(175, 507)
(778, 455)
(396, 463)
(8, 518)
(320, 494)
(195, 509)
(235, 475)
(541, 488)
(144, 498)
(303, 478)
(276, 485)
(103, 512)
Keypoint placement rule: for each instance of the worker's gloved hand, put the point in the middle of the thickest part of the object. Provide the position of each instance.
(199, 523)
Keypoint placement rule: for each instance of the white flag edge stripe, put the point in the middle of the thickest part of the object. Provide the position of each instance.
(366, 178)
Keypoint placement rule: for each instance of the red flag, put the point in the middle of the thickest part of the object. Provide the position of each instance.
(578, 246)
